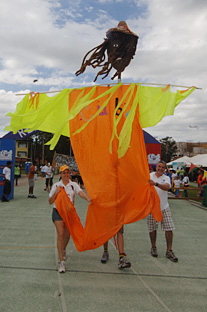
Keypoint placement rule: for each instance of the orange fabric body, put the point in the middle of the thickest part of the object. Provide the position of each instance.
(119, 188)
(70, 218)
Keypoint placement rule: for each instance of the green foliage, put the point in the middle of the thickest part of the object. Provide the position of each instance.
(168, 149)
(63, 147)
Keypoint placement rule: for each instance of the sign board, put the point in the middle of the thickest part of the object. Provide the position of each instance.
(178, 165)
(7, 153)
(60, 160)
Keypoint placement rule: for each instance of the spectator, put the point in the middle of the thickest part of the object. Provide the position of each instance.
(162, 186)
(74, 177)
(182, 173)
(16, 173)
(43, 172)
(201, 181)
(31, 180)
(186, 183)
(80, 181)
(178, 171)
(177, 183)
(174, 174)
(49, 177)
(7, 181)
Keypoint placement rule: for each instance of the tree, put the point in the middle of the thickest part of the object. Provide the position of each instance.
(43, 152)
(168, 149)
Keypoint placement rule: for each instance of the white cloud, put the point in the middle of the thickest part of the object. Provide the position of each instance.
(8, 102)
(47, 40)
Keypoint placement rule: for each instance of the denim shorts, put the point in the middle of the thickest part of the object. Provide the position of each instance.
(55, 215)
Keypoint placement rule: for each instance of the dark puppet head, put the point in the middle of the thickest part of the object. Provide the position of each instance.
(120, 47)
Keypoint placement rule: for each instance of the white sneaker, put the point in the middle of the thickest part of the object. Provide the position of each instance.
(124, 263)
(105, 257)
(64, 254)
(61, 268)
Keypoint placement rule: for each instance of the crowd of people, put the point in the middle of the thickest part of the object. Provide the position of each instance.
(162, 184)
(180, 180)
(162, 179)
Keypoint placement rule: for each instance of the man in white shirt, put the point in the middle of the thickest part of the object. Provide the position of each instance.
(162, 185)
(43, 172)
(7, 183)
(49, 177)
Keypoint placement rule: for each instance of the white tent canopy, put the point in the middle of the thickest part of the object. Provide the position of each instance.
(199, 160)
(185, 159)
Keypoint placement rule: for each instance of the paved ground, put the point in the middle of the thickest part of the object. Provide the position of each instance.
(28, 259)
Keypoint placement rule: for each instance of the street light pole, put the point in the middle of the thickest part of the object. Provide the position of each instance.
(43, 150)
(70, 149)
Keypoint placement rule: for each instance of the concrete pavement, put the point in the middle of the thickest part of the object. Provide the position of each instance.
(28, 260)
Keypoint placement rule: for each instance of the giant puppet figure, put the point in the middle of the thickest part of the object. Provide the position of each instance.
(105, 127)
(120, 46)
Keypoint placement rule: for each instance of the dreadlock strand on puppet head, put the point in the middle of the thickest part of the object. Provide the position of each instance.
(98, 57)
(120, 47)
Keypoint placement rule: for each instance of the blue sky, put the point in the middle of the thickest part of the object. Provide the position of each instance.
(47, 39)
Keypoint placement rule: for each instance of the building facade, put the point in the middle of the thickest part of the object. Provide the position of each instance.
(191, 149)
(22, 148)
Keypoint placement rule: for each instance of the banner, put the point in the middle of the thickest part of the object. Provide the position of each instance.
(20, 135)
(60, 160)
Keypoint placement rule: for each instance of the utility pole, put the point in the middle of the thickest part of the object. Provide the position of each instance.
(43, 150)
(70, 154)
